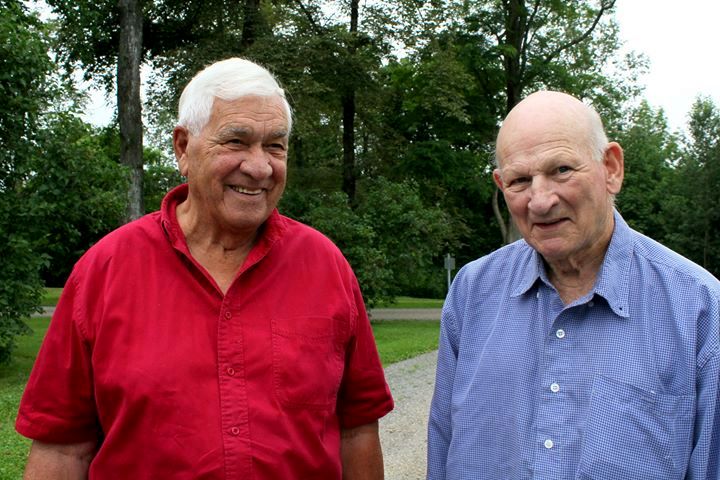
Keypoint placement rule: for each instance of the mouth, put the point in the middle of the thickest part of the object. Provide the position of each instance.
(246, 191)
(549, 224)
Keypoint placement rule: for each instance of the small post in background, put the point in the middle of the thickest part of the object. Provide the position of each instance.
(449, 266)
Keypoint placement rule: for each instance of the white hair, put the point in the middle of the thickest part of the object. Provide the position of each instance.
(598, 140)
(227, 80)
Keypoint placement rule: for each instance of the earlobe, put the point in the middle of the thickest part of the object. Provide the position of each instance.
(614, 162)
(180, 144)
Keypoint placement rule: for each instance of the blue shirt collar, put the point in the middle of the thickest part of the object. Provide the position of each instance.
(613, 280)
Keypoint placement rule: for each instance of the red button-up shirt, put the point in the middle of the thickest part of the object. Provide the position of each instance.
(175, 380)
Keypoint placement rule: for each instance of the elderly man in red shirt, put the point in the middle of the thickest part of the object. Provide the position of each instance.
(216, 338)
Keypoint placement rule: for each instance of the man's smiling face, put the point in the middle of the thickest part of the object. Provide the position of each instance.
(237, 165)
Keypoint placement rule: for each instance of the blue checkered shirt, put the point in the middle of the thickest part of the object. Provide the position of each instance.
(621, 384)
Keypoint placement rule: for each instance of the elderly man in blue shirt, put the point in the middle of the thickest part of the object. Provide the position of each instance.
(586, 350)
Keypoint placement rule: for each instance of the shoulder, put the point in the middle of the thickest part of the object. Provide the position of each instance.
(309, 241)
(134, 239)
(488, 282)
(670, 264)
(504, 264)
(681, 291)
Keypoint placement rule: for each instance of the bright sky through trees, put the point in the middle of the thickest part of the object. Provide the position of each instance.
(681, 40)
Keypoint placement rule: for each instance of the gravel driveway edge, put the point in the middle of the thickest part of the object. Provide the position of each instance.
(403, 432)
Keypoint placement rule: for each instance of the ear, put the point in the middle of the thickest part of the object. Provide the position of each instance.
(498, 179)
(181, 138)
(614, 162)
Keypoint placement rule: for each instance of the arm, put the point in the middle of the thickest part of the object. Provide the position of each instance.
(704, 459)
(361, 453)
(440, 421)
(55, 461)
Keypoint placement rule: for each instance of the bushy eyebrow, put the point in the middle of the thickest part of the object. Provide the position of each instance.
(544, 165)
(239, 132)
(509, 171)
(280, 133)
(229, 132)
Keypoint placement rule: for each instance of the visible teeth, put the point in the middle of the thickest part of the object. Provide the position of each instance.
(246, 190)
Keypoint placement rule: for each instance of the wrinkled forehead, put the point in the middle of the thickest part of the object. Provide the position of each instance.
(264, 108)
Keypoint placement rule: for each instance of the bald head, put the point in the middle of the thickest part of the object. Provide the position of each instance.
(545, 112)
(559, 175)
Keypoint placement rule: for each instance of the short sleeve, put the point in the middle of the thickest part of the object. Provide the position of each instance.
(58, 404)
(364, 395)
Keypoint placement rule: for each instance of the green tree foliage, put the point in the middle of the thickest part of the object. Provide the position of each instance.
(79, 192)
(23, 90)
(161, 176)
(650, 152)
(60, 189)
(409, 91)
(331, 214)
(110, 40)
(389, 239)
(412, 236)
(691, 202)
(446, 99)
(160, 172)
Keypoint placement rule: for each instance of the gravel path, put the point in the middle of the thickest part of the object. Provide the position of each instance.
(403, 432)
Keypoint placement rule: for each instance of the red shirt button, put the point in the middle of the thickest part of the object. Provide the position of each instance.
(235, 431)
(230, 371)
(228, 315)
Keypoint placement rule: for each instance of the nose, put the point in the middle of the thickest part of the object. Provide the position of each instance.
(256, 163)
(542, 196)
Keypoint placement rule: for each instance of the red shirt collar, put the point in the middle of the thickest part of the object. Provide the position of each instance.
(270, 231)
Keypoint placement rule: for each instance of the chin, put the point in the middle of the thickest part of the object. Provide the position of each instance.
(247, 220)
(552, 252)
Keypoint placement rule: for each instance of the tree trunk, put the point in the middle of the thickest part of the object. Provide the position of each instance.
(515, 28)
(508, 229)
(348, 139)
(499, 215)
(129, 104)
(251, 23)
(348, 111)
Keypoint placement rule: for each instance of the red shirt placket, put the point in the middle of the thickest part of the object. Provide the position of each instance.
(233, 395)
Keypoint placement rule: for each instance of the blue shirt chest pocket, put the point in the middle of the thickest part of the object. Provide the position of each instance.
(632, 433)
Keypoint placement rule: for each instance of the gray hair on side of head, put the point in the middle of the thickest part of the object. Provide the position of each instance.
(598, 140)
(228, 80)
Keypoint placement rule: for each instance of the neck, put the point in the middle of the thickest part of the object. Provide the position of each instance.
(221, 253)
(575, 276)
(573, 282)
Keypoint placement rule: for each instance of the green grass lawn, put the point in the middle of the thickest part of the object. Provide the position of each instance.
(396, 340)
(412, 302)
(51, 296)
(402, 339)
(13, 376)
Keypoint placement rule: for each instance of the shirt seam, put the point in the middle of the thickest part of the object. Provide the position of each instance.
(78, 311)
(704, 361)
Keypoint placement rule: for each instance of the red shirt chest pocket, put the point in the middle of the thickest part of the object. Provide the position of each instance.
(308, 361)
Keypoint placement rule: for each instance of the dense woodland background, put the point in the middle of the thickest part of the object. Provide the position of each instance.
(397, 104)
